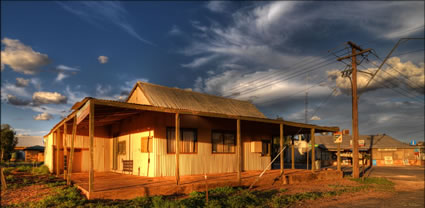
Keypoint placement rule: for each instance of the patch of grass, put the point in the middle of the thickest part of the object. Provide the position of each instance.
(64, 197)
(25, 169)
(42, 170)
(244, 199)
(379, 183)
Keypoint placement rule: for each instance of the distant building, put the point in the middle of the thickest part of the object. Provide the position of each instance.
(34, 154)
(26, 144)
(384, 149)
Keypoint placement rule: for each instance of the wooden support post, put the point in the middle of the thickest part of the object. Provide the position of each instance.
(338, 157)
(177, 133)
(91, 137)
(56, 136)
(71, 158)
(65, 151)
(239, 150)
(282, 162)
(293, 154)
(313, 154)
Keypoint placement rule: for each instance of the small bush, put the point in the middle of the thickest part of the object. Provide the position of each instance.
(142, 202)
(7, 171)
(373, 180)
(161, 202)
(214, 204)
(42, 170)
(66, 197)
(222, 191)
(244, 199)
(25, 169)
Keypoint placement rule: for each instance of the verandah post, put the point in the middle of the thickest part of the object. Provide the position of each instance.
(293, 154)
(313, 154)
(56, 136)
(71, 158)
(239, 150)
(91, 137)
(282, 162)
(65, 151)
(177, 135)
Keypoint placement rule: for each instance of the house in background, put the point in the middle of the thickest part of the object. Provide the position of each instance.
(26, 142)
(34, 154)
(163, 131)
(384, 150)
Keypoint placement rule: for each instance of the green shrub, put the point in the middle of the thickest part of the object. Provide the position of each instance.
(57, 183)
(214, 204)
(374, 180)
(222, 191)
(10, 178)
(244, 199)
(26, 169)
(66, 197)
(7, 171)
(195, 200)
(42, 170)
(161, 202)
(142, 202)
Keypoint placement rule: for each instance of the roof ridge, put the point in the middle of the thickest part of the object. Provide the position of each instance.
(191, 91)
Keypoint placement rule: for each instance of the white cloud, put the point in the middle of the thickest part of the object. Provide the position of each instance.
(103, 59)
(217, 6)
(199, 62)
(64, 72)
(36, 83)
(75, 95)
(101, 12)
(400, 74)
(21, 82)
(175, 30)
(8, 88)
(248, 86)
(49, 98)
(315, 118)
(61, 76)
(66, 68)
(22, 58)
(43, 117)
(17, 101)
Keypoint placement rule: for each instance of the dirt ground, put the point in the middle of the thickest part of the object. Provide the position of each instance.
(30, 188)
(409, 191)
(31, 193)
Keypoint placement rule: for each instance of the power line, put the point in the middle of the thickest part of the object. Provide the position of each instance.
(291, 76)
(298, 92)
(324, 101)
(272, 75)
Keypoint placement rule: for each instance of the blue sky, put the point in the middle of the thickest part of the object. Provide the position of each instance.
(56, 53)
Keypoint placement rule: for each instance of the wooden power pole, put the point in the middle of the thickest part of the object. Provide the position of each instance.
(355, 113)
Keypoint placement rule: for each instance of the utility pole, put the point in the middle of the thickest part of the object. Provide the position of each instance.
(355, 113)
(306, 100)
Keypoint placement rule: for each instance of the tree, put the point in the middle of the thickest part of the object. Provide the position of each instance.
(8, 141)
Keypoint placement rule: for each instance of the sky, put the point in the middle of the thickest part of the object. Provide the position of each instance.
(54, 54)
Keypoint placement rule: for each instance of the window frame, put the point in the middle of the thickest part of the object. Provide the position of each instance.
(268, 144)
(223, 132)
(195, 130)
(125, 148)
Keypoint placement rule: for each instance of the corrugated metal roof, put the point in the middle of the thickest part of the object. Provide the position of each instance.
(175, 98)
(371, 141)
(27, 141)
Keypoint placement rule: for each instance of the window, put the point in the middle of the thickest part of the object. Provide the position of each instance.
(223, 142)
(146, 144)
(188, 140)
(265, 147)
(121, 148)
